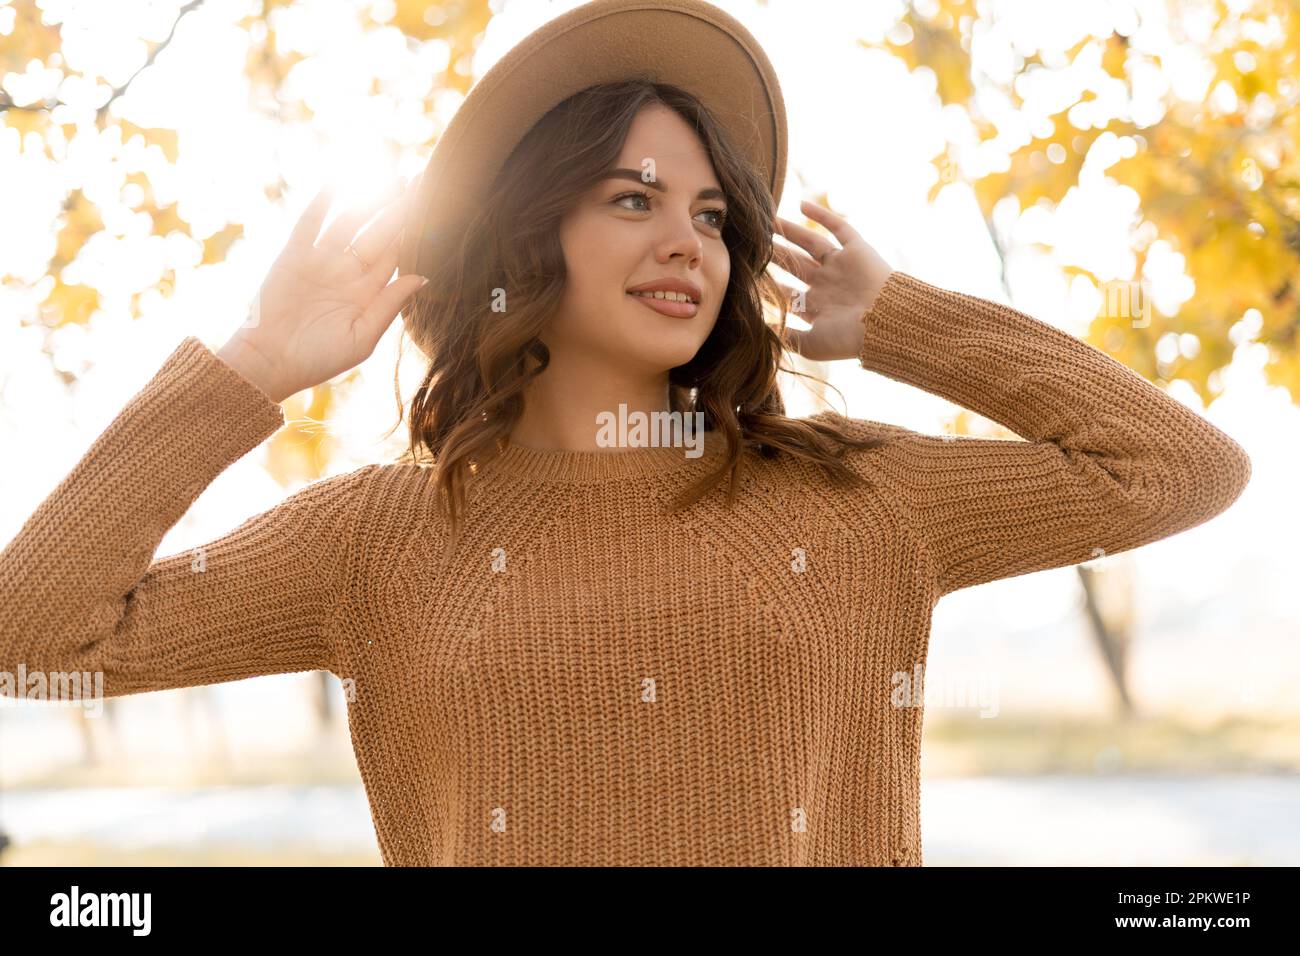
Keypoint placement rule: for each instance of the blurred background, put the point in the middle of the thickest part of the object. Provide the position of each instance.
(1126, 171)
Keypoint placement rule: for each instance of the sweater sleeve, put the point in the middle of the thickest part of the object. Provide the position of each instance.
(1109, 461)
(79, 593)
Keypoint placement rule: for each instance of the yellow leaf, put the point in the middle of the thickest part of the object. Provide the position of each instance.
(26, 121)
(216, 246)
(167, 140)
(81, 221)
(301, 451)
(31, 37)
(167, 220)
(69, 304)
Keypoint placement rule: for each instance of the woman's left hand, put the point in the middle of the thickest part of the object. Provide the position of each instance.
(843, 282)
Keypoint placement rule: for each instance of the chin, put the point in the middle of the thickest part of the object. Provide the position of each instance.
(666, 349)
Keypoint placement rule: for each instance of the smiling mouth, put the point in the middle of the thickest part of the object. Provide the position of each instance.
(666, 296)
(674, 308)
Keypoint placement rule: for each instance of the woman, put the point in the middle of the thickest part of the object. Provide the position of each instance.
(556, 652)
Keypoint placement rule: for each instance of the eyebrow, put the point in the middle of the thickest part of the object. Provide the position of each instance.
(711, 192)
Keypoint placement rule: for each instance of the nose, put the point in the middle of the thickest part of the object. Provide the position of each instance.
(681, 239)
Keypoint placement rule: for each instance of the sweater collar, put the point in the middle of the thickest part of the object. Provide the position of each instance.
(606, 464)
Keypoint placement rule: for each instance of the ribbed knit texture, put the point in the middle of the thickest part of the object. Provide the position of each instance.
(587, 680)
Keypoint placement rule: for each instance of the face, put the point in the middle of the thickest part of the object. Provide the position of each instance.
(615, 240)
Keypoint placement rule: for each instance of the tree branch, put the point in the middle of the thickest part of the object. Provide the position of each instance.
(8, 104)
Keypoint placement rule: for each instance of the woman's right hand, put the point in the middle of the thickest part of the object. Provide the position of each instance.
(319, 311)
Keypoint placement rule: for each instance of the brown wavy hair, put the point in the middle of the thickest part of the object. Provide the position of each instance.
(473, 391)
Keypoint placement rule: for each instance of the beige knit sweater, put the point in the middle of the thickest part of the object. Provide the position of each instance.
(586, 680)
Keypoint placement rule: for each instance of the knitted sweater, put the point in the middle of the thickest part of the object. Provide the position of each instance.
(586, 680)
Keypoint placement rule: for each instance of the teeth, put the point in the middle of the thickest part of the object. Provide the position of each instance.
(670, 296)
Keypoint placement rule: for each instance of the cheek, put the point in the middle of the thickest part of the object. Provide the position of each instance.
(719, 272)
(597, 258)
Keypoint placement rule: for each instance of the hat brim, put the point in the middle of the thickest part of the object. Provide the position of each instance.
(687, 43)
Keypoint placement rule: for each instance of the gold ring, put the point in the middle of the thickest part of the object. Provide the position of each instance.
(357, 256)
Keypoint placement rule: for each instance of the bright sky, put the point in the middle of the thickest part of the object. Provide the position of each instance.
(860, 128)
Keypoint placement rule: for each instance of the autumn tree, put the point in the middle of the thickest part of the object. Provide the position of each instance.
(53, 107)
(1192, 106)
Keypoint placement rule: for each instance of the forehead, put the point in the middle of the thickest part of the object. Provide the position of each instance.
(660, 135)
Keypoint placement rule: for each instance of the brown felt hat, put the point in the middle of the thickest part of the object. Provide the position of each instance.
(686, 43)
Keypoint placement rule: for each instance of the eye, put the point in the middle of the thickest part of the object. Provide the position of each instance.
(719, 214)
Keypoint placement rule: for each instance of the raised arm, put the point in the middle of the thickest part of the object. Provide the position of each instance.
(1110, 462)
(79, 592)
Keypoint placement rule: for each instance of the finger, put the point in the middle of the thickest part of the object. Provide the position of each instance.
(814, 242)
(308, 226)
(344, 228)
(382, 268)
(386, 306)
(794, 261)
(837, 224)
(379, 235)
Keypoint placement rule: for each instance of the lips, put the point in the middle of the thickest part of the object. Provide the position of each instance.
(670, 284)
(669, 307)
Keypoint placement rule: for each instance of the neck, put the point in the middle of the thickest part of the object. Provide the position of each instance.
(583, 409)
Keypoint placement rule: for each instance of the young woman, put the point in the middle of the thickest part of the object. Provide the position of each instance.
(556, 652)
